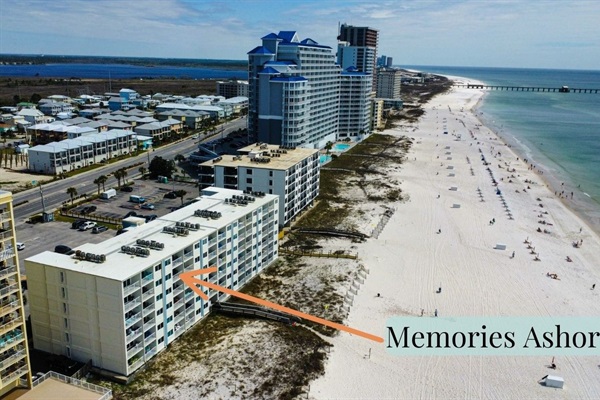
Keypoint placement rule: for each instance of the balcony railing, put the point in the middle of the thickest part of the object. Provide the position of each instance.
(6, 235)
(133, 350)
(20, 353)
(150, 337)
(4, 216)
(147, 294)
(9, 308)
(5, 327)
(11, 377)
(5, 254)
(133, 334)
(130, 289)
(9, 341)
(131, 305)
(106, 393)
(7, 271)
(133, 319)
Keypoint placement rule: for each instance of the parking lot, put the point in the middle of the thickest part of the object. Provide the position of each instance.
(227, 144)
(45, 236)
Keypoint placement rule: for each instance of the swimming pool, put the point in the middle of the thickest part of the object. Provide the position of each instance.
(340, 147)
(324, 158)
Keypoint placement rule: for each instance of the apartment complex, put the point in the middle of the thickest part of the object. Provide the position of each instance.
(293, 92)
(355, 104)
(361, 49)
(14, 354)
(120, 302)
(232, 88)
(292, 174)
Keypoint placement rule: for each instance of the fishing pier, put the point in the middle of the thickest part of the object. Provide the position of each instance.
(564, 89)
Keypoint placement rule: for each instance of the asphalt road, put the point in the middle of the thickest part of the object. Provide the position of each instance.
(55, 193)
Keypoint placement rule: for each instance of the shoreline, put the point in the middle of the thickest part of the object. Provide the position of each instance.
(583, 206)
(412, 258)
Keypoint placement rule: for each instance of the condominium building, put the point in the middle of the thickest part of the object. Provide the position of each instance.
(389, 83)
(120, 302)
(292, 174)
(360, 49)
(232, 88)
(68, 155)
(14, 358)
(355, 104)
(293, 92)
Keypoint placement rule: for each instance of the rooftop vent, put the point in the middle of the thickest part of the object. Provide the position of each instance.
(187, 225)
(97, 258)
(153, 244)
(135, 251)
(176, 230)
(207, 214)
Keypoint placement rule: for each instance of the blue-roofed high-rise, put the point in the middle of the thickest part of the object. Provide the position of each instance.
(294, 89)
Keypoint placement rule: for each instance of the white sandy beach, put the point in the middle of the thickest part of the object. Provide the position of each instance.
(410, 260)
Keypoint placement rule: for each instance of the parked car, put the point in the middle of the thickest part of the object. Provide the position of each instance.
(20, 246)
(130, 214)
(148, 206)
(126, 189)
(99, 229)
(78, 223)
(88, 209)
(87, 225)
(62, 249)
(170, 195)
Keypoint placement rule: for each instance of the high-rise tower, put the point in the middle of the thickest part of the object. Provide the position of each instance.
(361, 48)
(14, 358)
(293, 92)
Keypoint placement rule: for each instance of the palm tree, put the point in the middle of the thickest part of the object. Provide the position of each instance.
(143, 171)
(98, 183)
(124, 175)
(72, 192)
(102, 179)
(118, 174)
(180, 194)
(328, 146)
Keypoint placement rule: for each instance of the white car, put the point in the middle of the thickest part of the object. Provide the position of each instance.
(87, 225)
(20, 246)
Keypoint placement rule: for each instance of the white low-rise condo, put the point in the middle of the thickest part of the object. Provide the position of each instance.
(120, 302)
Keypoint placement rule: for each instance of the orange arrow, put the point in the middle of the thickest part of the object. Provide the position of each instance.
(188, 279)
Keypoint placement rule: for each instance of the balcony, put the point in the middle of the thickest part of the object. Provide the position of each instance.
(131, 305)
(150, 337)
(133, 334)
(11, 359)
(133, 350)
(5, 234)
(10, 325)
(130, 289)
(147, 278)
(22, 370)
(135, 363)
(10, 340)
(4, 216)
(147, 294)
(6, 254)
(10, 307)
(133, 319)
(7, 271)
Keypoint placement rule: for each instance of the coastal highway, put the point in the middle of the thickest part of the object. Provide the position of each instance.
(29, 201)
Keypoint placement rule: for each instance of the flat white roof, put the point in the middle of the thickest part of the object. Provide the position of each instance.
(286, 159)
(120, 266)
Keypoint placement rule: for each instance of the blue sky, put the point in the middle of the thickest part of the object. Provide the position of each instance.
(511, 33)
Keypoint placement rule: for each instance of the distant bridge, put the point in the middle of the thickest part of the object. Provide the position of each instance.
(563, 89)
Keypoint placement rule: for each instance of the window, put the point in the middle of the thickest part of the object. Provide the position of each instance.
(271, 182)
(158, 282)
(159, 312)
(68, 352)
(157, 268)
(270, 173)
(66, 323)
(249, 180)
(169, 305)
(197, 245)
(170, 333)
(67, 337)
(248, 171)
(169, 319)
(63, 292)
(62, 277)
(167, 277)
(160, 326)
(159, 297)
(64, 307)
(168, 291)
(162, 339)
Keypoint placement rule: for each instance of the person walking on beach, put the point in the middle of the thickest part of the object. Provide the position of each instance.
(422, 311)
(435, 312)
(513, 255)
(593, 286)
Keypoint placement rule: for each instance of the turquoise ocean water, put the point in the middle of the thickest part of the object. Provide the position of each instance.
(559, 132)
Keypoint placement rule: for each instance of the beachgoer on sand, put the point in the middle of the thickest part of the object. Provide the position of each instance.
(593, 286)
(513, 255)
(435, 312)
